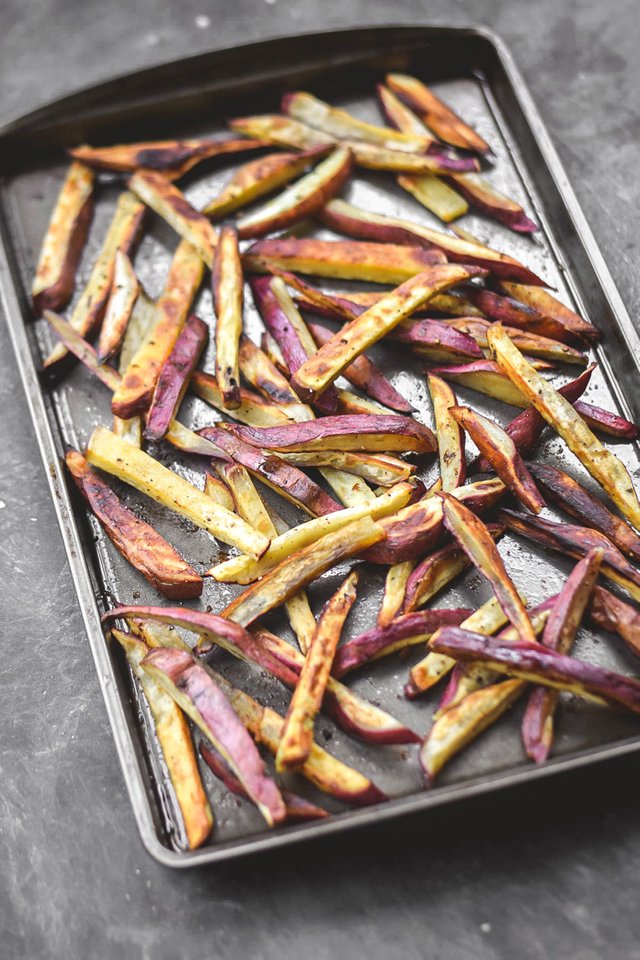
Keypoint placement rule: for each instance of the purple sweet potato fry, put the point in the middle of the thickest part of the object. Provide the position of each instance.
(174, 377)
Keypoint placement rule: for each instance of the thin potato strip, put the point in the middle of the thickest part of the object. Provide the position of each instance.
(173, 157)
(175, 376)
(62, 246)
(436, 195)
(122, 298)
(133, 466)
(297, 736)
(395, 585)
(141, 321)
(228, 294)
(450, 436)
(603, 465)
(253, 410)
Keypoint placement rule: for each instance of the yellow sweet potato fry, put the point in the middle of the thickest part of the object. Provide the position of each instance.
(121, 302)
(219, 491)
(133, 466)
(449, 435)
(436, 195)
(394, 590)
(228, 294)
(253, 410)
(248, 504)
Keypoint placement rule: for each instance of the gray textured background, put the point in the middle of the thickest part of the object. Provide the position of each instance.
(548, 872)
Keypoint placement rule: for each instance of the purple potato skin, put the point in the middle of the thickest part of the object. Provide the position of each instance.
(174, 377)
(297, 435)
(613, 614)
(610, 423)
(57, 296)
(533, 661)
(512, 313)
(425, 335)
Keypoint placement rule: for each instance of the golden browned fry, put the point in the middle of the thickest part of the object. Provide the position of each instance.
(79, 347)
(477, 542)
(381, 469)
(255, 179)
(300, 200)
(136, 540)
(141, 321)
(437, 115)
(253, 410)
(259, 370)
(484, 376)
(64, 240)
(498, 448)
(134, 394)
(219, 491)
(450, 437)
(228, 294)
(319, 371)
(395, 585)
(603, 465)
(463, 723)
(175, 742)
(532, 344)
(344, 259)
(436, 195)
(170, 203)
(248, 503)
(297, 736)
(546, 304)
(122, 298)
(133, 466)
(122, 235)
(129, 430)
(245, 570)
(173, 157)
(301, 568)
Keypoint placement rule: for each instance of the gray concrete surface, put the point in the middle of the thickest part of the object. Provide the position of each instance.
(548, 872)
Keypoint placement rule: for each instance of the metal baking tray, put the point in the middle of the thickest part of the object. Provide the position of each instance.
(474, 71)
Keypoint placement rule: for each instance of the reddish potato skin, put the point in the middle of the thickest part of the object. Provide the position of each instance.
(175, 157)
(436, 340)
(307, 434)
(571, 539)
(613, 614)
(229, 732)
(548, 306)
(526, 429)
(360, 650)
(273, 471)
(511, 215)
(610, 423)
(299, 810)
(136, 540)
(174, 377)
(568, 494)
(515, 314)
(57, 296)
(366, 375)
(533, 661)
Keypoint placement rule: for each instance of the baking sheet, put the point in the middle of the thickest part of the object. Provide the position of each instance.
(485, 90)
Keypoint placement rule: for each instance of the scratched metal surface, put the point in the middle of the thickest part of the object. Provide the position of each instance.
(79, 403)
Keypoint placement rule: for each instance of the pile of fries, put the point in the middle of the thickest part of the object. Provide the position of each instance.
(288, 419)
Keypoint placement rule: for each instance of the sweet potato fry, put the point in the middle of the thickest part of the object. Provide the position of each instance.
(525, 429)
(271, 348)
(358, 335)
(302, 199)
(215, 488)
(499, 449)
(297, 736)
(347, 260)
(165, 199)
(606, 422)
(260, 371)
(436, 341)
(568, 494)
(173, 157)
(246, 570)
(603, 465)
(288, 481)
(508, 311)
(394, 592)
(535, 662)
(122, 298)
(476, 541)
(492, 203)
(532, 344)
(253, 409)
(89, 310)
(134, 539)
(576, 542)
(546, 304)
(186, 440)
(299, 810)
(344, 218)
(289, 132)
(255, 179)
(484, 376)
(175, 742)
(175, 376)
(450, 436)
(139, 379)
(437, 570)
(298, 570)
(194, 690)
(78, 346)
(64, 241)
(384, 432)
(436, 195)
(404, 631)
(248, 503)
(114, 456)
(140, 322)
(366, 375)
(399, 116)
(437, 115)
(228, 293)
(613, 614)
(427, 672)
(377, 468)
(559, 634)
(460, 725)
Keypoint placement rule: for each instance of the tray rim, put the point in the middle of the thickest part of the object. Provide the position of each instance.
(416, 33)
